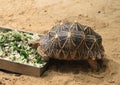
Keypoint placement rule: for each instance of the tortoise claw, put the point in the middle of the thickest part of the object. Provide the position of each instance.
(45, 58)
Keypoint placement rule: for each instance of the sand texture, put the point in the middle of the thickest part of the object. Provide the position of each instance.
(40, 15)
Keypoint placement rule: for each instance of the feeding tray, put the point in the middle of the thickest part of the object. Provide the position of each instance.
(18, 67)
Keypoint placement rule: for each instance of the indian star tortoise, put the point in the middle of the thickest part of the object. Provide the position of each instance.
(71, 41)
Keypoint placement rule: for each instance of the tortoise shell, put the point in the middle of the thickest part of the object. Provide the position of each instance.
(72, 41)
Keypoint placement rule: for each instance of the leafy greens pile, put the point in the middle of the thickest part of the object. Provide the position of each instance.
(14, 47)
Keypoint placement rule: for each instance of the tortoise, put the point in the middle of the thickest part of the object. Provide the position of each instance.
(71, 41)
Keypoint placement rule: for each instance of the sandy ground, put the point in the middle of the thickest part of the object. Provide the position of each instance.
(40, 15)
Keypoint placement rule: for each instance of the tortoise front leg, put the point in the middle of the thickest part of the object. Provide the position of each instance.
(94, 65)
(43, 55)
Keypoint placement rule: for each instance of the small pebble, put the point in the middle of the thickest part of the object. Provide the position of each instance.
(99, 11)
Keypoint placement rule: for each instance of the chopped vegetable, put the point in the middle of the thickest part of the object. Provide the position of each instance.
(14, 46)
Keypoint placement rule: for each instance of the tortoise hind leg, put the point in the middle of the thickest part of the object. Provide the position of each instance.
(94, 65)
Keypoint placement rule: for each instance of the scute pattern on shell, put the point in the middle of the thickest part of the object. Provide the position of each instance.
(72, 41)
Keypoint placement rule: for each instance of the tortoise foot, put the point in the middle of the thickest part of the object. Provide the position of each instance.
(94, 65)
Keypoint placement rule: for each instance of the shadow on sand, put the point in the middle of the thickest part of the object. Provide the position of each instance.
(75, 67)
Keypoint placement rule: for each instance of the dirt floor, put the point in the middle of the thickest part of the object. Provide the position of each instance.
(40, 15)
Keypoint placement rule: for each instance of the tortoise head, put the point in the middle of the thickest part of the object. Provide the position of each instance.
(40, 45)
(34, 43)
